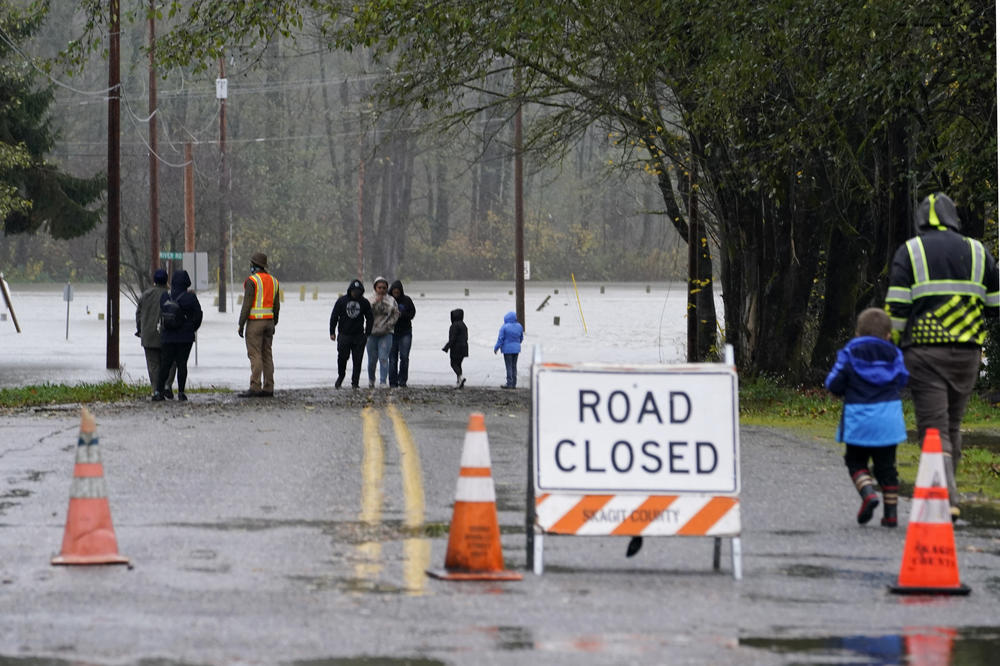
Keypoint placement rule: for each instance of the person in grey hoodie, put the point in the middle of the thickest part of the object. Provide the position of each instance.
(147, 329)
(386, 312)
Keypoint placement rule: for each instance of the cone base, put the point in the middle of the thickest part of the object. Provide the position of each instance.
(113, 558)
(452, 574)
(960, 591)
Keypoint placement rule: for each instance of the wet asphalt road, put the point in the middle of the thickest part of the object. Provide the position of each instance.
(298, 530)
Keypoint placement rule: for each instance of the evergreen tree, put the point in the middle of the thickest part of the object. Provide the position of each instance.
(33, 192)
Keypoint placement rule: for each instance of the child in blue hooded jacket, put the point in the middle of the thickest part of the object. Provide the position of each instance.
(509, 342)
(869, 374)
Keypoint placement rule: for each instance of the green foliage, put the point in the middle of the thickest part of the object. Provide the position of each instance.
(53, 394)
(34, 193)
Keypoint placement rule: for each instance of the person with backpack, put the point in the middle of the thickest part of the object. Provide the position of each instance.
(147, 329)
(180, 317)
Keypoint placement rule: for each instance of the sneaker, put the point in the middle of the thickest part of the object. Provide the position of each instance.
(181, 396)
(338, 383)
(158, 397)
(168, 394)
(371, 384)
(461, 382)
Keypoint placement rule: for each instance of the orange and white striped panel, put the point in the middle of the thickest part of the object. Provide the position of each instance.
(632, 515)
(475, 478)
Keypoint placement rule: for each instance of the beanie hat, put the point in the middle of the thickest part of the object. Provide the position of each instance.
(160, 276)
(259, 259)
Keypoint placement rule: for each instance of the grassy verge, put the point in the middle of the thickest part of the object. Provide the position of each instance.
(815, 413)
(55, 394)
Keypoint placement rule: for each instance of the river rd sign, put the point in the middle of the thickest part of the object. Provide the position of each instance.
(661, 430)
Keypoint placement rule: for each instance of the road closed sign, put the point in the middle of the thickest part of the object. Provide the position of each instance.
(654, 430)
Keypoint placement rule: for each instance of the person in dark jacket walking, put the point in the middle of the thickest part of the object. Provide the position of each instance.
(147, 329)
(943, 286)
(457, 345)
(402, 337)
(869, 374)
(177, 342)
(352, 319)
(509, 342)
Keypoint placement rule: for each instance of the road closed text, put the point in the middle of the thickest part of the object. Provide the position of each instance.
(661, 432)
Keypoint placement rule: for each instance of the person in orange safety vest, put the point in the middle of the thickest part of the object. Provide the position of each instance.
(259, 316)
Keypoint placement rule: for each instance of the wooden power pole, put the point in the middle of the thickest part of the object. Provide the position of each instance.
(114, 185)
(154, 181)
(221, 91)
(188, 197)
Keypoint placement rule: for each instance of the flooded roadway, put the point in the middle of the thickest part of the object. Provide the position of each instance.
(297, 531)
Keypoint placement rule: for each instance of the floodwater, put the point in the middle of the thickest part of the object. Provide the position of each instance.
(627, 323)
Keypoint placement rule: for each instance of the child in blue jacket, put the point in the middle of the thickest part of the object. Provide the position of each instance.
(509, 342)
(869, 374)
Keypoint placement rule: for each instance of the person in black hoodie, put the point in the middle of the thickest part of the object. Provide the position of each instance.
(458, 344)
(176, 342)
(352, 318)
(402, 337)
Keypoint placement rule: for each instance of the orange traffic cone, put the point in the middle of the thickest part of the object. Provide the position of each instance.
(930, 563)
(474, 551)
(89, 537)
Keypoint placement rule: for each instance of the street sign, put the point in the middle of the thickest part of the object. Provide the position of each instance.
(656, 429)
(634, 451)
(171, 255)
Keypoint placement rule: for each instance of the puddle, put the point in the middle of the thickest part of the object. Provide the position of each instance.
(916, 645)
(368, 661)
(50, 661)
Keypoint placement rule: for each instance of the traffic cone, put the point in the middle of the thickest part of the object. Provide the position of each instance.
(89, 537)
(474, 551)
(930, 563)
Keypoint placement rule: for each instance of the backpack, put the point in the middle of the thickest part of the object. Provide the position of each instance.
(171, 316)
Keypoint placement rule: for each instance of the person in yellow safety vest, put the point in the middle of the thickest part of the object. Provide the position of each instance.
(942, 287)
(259, 316)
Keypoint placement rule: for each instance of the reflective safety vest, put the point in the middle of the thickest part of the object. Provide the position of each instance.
(265, 291)
(943, 309)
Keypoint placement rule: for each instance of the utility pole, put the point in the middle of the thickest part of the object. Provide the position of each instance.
(154, 182)
(518, 208)
(114, 185)
(361, 201)
(188, 197)
(222, 92)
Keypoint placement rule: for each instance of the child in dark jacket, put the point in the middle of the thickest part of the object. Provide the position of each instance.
(869, 374)
(457, 345)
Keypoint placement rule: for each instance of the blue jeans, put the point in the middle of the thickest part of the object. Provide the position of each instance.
(510, 360)
(378, 350)
(399, 359)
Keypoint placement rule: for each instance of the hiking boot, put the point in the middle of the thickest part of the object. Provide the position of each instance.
(266, 394)
(890, 498)
(249, 393)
